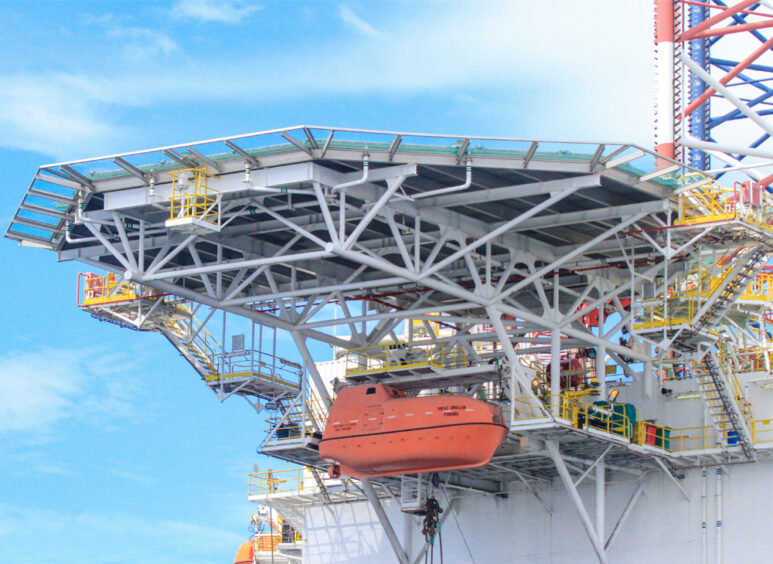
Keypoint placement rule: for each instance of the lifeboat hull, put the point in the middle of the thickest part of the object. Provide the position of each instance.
(377, 431)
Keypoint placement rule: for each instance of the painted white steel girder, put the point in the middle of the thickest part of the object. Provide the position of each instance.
(414, 244)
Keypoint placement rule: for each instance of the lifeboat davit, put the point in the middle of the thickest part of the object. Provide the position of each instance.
(375, 430)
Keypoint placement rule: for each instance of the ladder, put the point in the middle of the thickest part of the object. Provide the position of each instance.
(726, 414)
(320, 484)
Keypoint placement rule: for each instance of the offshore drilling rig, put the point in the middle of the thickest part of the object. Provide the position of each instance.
(610, 304)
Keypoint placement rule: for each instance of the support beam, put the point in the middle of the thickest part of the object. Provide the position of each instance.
(367, 487)
(626, 512)
(311, 367)
(566, 478)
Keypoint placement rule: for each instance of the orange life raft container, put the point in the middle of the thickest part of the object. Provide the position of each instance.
(375, 430)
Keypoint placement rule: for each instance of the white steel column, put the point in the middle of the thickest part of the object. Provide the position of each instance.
(601, 494)
(300, 342)
(566, 478)
(555, 355)
(367, 487)
(601, 358)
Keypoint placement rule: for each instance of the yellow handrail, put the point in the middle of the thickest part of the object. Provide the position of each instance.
(192, 200)
(381, 358)
(292, 480)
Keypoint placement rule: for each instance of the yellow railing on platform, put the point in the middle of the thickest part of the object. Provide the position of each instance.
(762, 431)
(525, 408)
(368, 360)
(727, 363)
(707, 202)
(293, 480)
(302, 420)
(652, 314)
(759, 290)
(105, 289)
(191, 196)
(581, 414)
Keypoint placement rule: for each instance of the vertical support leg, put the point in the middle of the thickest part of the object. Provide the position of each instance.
(367, 487)
(555, 371)
(566, 478)
(300, 342)
(601, 356)
(601, 470)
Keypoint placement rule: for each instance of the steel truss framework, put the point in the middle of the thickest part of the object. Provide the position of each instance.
(714, 65)
(507, 243)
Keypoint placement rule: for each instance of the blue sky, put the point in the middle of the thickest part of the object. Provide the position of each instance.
(111, 450)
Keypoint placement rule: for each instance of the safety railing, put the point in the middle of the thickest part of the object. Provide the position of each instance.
(754, 359)
(303, 418)
(651, 434)
(197, 339)
(191, 197)
(727, 364)
(608, 418)
(294, 480)
(762, 431)
(524, 409)
(260, 364)
(94, 289)
(706, 202)
(711, 202)
(655, 314)
(693, 438)
(761, 289)
(369, 360)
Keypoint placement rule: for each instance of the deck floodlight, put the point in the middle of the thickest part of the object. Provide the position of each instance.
(613, 395)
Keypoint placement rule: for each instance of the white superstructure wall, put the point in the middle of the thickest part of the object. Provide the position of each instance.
(663, 526)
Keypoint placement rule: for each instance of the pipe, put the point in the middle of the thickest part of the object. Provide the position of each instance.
(361, 180)
(467, 184)
(719, 516)
(704, 507)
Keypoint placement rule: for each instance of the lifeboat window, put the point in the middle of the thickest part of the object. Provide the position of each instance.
(370, 391)
(395, 393)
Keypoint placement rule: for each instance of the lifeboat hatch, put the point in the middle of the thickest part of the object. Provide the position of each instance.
(373, 418)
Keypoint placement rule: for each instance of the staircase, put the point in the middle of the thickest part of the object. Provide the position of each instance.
(733, 284)
(730, 412)
(198, 351)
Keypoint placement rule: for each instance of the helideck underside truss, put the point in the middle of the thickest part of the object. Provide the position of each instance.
(452, 263)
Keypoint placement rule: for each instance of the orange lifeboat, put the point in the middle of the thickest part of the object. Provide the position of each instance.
(375, 430)
(245, 554)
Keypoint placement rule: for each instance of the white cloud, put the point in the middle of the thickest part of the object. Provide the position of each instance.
(214, 11)
(42, 389)
(55, 114)
(141, 44)
(114, 538)
(357, 23)
(565, 84)
(135, 477)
